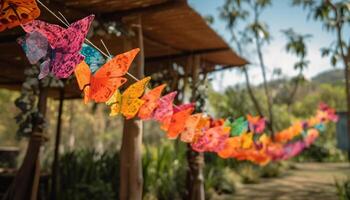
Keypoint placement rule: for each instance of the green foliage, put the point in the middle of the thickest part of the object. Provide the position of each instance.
(88, 175)
(8, 123)
(343, 189)
(297, 45)
(164, 171)
(234, 101)
(249, 173)
(334, 16)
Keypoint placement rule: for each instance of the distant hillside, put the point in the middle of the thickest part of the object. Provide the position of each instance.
(334, 76)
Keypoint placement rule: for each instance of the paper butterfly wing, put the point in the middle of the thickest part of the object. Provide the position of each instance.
(44, 68)
(190, 128)
(83, 76)
(35, 45)
(230, 146)
(164, 111)
(130, 98)
(115, 103)
(178, 121)
(67, 47)
(151, 102)
(117, 66)
(16, 12)
(213, 140)
(238, 127)
(93, 58)
(183, 107)
(50, 31)
(108, 78)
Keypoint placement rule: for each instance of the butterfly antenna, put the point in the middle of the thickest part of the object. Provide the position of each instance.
(63, 17)
(64, 21)
(104, 45)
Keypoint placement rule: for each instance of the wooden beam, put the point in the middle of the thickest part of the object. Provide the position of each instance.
(185, 54)
(144, 10)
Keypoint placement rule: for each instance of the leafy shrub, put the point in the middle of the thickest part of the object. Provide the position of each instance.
(272, 170)
(164, 171)
(250, 173)
(87, 174)
(343, 189)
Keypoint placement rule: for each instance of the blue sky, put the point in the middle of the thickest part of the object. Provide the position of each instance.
(281, 15)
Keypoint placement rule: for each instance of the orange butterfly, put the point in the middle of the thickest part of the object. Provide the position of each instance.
(177, 124)
(101, 86)
(230, 147)
(16, 12)
(151, 99)
(190, 128)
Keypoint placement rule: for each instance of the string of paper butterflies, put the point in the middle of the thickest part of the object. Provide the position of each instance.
(61, 52)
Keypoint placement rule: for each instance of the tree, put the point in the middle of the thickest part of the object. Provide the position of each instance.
(296, 45)
(334, 17)
(235, 11)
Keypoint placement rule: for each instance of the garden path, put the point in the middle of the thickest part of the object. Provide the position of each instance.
(309, 181)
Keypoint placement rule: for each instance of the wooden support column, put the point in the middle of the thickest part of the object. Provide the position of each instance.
(26, 182)
(131, 179)
(55, 163)
(195, 178)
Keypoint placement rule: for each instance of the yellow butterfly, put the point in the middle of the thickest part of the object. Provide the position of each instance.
(128, 103)
(247, 140)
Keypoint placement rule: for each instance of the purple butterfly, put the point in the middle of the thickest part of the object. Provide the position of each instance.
(37, 50)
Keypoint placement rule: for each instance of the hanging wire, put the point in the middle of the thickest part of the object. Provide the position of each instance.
(66, 23)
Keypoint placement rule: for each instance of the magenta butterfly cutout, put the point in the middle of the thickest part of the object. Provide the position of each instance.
(65, 43)
(165, 111)
(183, 107)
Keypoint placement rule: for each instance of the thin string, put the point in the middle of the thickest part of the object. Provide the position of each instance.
(66, 23)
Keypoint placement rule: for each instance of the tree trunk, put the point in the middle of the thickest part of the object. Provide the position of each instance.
(26, 183)
(195, 178)
(345, 58)
(131, 179)
(246, 75)
(266, 89)
(55, 163)
(251, 93)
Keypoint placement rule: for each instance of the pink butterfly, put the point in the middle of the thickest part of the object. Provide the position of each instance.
(256, 124)
(65, 43)
(164, 111)
(183, 107)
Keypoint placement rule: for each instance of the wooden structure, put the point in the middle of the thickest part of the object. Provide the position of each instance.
(171, 30)
(171, 33)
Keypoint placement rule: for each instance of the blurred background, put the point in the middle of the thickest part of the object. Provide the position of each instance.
(278, 59)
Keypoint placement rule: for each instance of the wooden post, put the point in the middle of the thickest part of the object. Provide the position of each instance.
(195, 178)
(55, 163)
(26, 183)
(131, 179)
